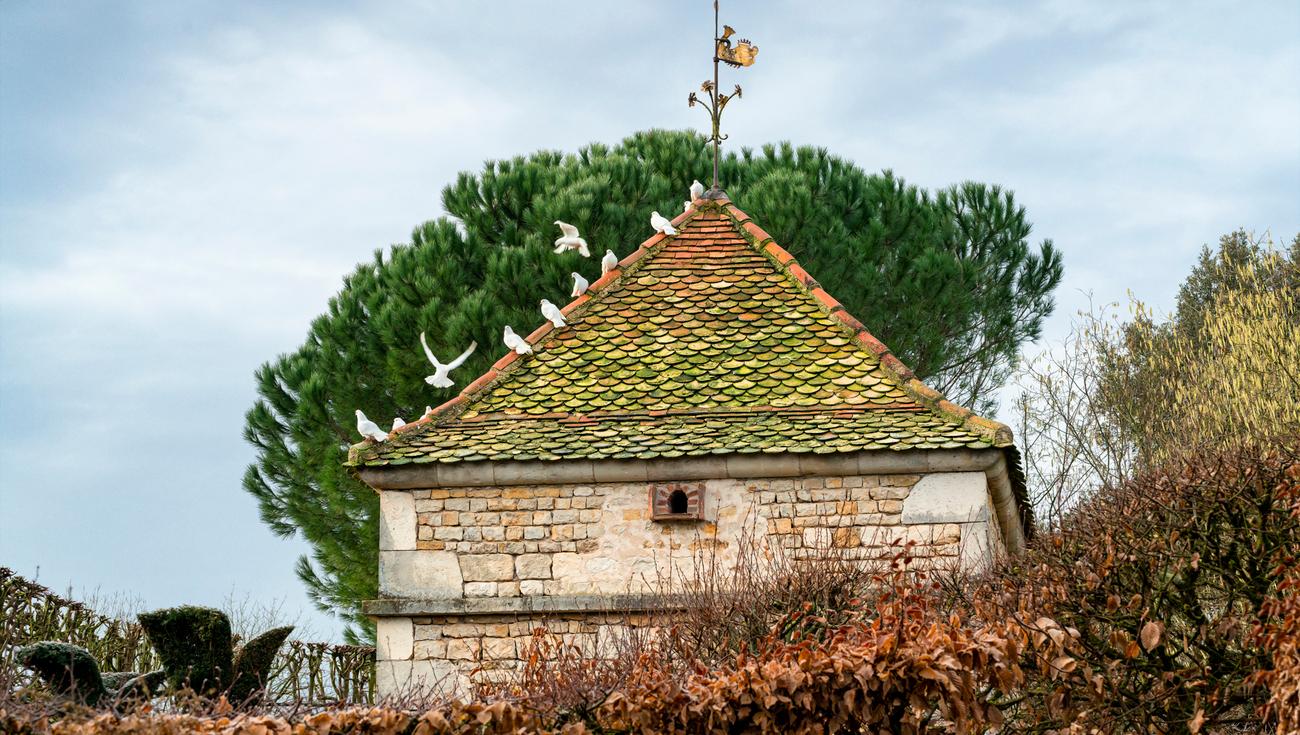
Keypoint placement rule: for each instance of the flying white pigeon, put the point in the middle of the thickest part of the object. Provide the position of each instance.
(369, 429)
(398, 423)
(661, 224)
(609, 262)
(439, 378)
(569, 240)
(686, 207)
(697, 190)
(515, 342)
(552, 314)
(580, 285)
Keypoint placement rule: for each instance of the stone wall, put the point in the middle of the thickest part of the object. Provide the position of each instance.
(557, 540)
(455, 651)
(567, 539)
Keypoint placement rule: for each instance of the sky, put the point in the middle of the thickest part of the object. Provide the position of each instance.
(184, 185)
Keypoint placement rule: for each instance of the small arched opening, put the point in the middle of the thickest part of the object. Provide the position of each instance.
(677, 502)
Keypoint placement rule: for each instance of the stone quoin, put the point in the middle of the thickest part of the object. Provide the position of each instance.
(705, 393)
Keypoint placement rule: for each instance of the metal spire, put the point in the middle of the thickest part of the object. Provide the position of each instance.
(741, 54)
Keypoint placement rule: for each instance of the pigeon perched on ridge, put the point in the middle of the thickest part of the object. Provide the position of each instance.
(398, 423)
(686, 207)
(369, 429)
(697, 190)
(580, 285)
(609, 262)
(661, 224)
(552, 314)
(569, 240)
(515, 342)
(428, 410)
(439, 378)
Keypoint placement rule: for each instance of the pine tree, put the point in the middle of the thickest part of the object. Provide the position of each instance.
(949, 282)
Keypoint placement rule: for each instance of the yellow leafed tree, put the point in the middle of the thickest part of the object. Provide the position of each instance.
(1117, 398)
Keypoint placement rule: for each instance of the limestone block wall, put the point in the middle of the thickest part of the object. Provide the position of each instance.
(455, 651)
(563, 540)
(601, 538)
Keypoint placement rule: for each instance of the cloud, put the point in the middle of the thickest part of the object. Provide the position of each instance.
(258, 169)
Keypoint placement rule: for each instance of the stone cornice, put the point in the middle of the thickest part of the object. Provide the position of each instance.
(734, 466)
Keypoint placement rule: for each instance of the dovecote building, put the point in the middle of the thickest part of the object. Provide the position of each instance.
(706, 391)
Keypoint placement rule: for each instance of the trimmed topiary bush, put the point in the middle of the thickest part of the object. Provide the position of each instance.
(197, 650)
(129, 686)
(252, 664)
(67, 669)
(114, 680)
(195, 646)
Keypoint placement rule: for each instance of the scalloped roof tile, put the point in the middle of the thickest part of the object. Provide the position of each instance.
(714, 341)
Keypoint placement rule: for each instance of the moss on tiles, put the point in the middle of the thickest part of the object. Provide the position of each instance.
(706, 345)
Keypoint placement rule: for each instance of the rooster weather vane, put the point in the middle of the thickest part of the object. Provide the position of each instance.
(742, 53)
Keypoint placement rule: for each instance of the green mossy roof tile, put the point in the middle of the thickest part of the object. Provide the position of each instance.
(709, 342)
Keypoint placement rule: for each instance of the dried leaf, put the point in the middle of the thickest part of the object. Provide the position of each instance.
(1151, 633)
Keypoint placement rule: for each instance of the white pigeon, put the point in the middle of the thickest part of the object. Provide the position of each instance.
(552, 314)
(439, 378)
(428, 410)
(580, 285)
(686, 206)
(697, 190)
(569, 240)
(661, 224)
(609, 262)
(369, 429)
(398, 423)
(515, 342)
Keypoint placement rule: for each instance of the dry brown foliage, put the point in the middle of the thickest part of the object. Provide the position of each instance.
(1159, 606)
(899, 669)
(1168, 604)
(1277, 628)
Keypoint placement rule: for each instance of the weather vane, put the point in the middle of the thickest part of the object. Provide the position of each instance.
(738, 55)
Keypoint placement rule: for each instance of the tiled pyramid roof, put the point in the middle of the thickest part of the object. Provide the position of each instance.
(714, 341)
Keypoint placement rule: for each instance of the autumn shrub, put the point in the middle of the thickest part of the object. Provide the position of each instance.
(1159, 606)
(1278, 630)
(475, 718)
(726, 609)
(896, 667)
(703, 618)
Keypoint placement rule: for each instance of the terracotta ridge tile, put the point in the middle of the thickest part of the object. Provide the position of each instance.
(780, 254)
(826, 299)
(442, 409)
(760, 235)
(894, 365)
(535, 337)
(576, 303)
(482, 380)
